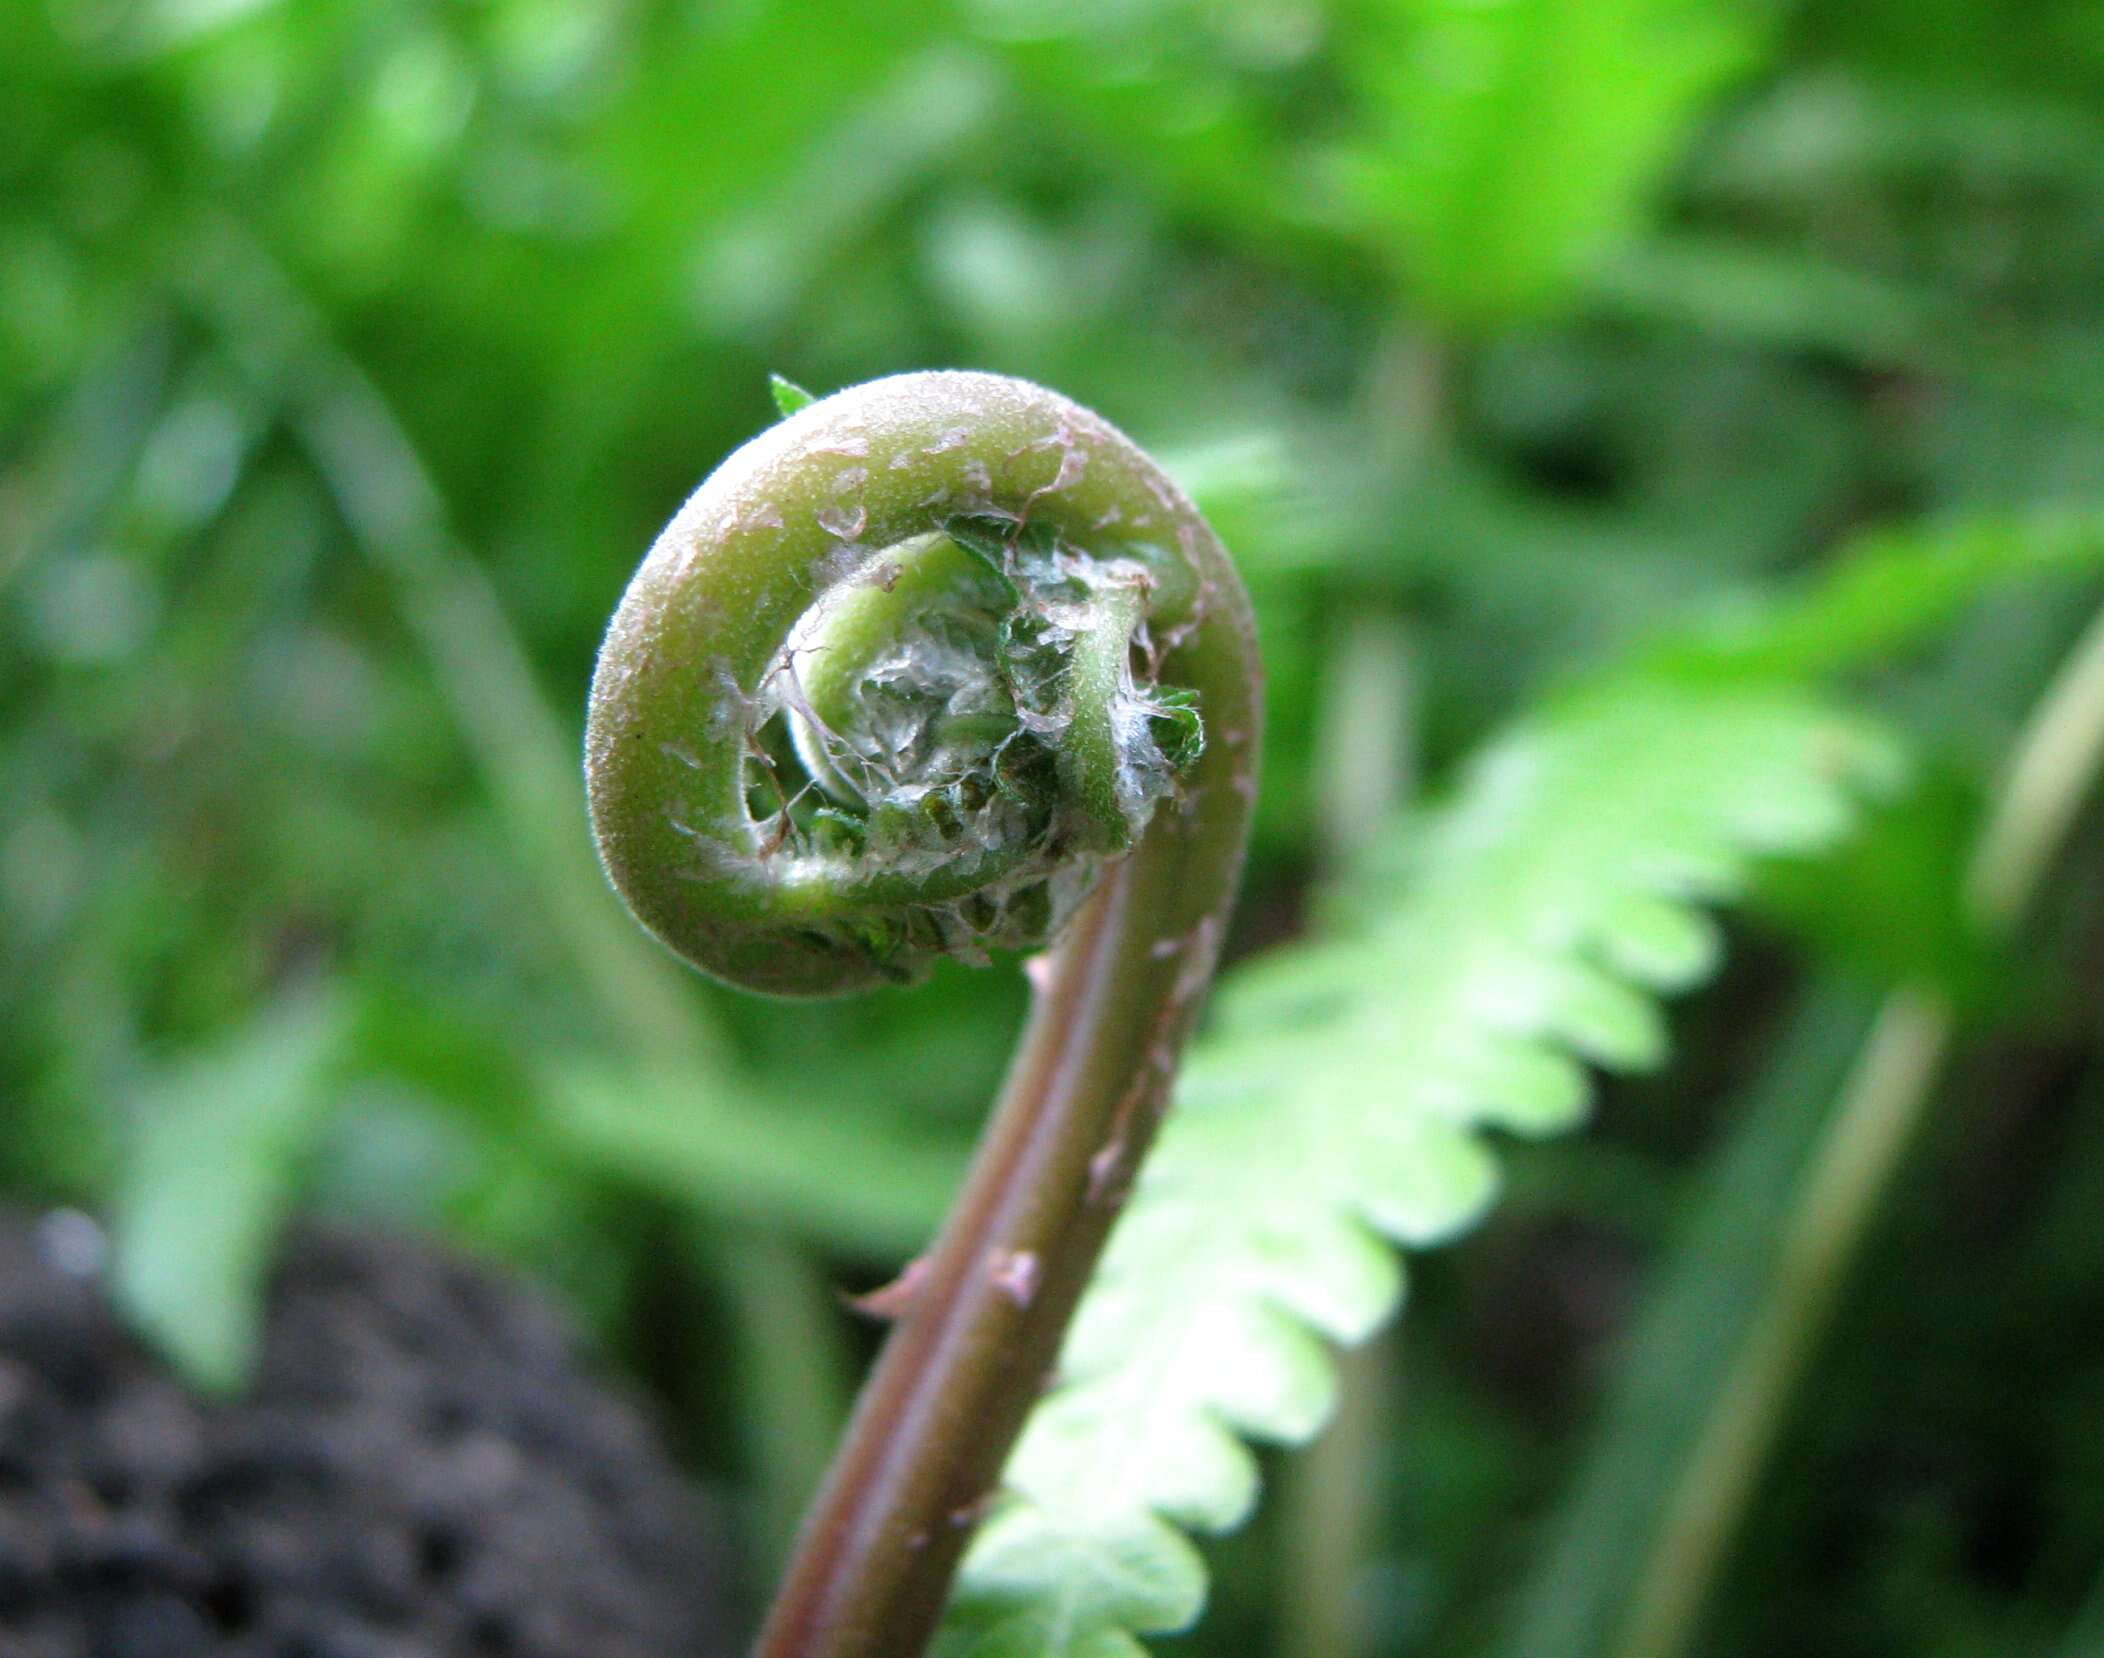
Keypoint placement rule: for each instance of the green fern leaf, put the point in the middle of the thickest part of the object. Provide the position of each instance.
(1338, 1099)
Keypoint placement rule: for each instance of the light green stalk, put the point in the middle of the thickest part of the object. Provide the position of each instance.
(1881, 1106)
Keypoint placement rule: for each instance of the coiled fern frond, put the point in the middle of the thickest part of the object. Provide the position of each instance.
(899, 678)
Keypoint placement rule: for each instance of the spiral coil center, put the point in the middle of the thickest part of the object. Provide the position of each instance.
(915, 722)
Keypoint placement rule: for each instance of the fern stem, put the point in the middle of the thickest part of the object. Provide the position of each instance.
(907, 674)
(2056, 763)
(996, 1292)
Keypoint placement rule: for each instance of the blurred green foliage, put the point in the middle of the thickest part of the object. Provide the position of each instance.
(351, 353)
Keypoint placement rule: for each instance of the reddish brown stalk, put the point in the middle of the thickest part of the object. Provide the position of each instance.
(974, 1348)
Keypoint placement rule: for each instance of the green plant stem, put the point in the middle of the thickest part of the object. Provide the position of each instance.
(1673, 1360)
(1331, 1506)
(792, 1366)
(1365, 767)
(1365, 760)
(2057, 760)
(1406, 399)
(1881, 1106)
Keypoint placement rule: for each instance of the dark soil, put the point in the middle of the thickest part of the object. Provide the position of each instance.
(422, 1470)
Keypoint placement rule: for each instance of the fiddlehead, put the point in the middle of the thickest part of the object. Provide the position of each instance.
(940, 664)
(890, 686)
